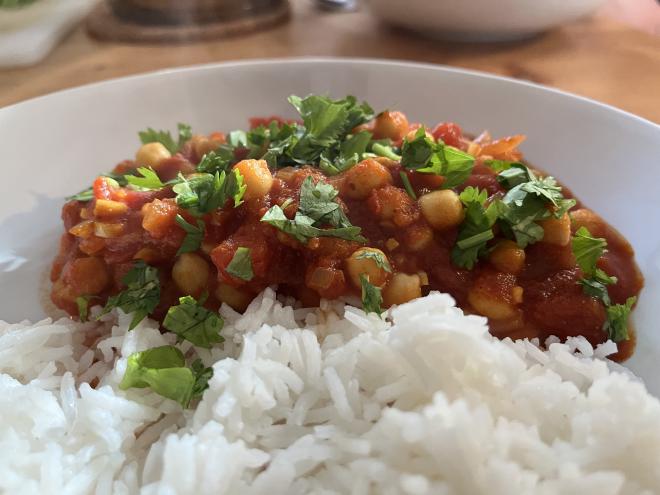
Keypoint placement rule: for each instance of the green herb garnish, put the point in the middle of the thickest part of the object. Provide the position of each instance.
(425, 156)
(194, 235)
(528, 200)
(240, 265)
(317, 209)
(378, 257)
(191, 321)
(203, 193)
(148, 181)
(407, 185)
(476, 229)
(372, 298)
(165, 138)
(163, 369)
(616, 325)
(141, 296)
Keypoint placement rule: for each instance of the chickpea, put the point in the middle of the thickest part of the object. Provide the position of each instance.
(236, 298)
(203, 144)
(417, 237)
(360, 180)
(557, 231)
(392, 125)
(402, 288)
(87, 276)
(257, 177)
(507, 257)
(364, 262)
(190, 273)
(495, 295)
(151, 154)
(442, 209)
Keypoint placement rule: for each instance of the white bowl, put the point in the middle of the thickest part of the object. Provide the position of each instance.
(55, 145)
(481, 20)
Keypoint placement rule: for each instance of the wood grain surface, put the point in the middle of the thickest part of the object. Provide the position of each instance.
(598, 57)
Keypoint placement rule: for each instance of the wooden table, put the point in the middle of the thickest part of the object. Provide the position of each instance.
(598, 57)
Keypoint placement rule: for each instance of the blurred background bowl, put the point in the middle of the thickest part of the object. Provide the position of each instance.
(481, 20)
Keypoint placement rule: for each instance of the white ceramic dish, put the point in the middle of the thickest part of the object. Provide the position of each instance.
(55, 145)
(481, 20)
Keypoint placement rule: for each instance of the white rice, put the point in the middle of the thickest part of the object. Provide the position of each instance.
(428, 403)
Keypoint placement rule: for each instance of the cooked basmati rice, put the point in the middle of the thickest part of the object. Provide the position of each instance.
(426, 402)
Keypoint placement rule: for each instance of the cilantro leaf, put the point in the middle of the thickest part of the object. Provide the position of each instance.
(616, 325)
(386, 151)
(141, 296)
(185, 133)
(372, 298)
(191, 321)
(317, 208)
(528, 200)
(194, 235)
(163, 369)
(165, 138)
(378, 257)
(83, 307)
(149, 179)
(425, 156)
(407, 185)
(202, 376)
(219, 160)
(302, 229)
(327, 122)
(500, 165)
(476, 229)
(203, 193)
(240, 265)
(587, 250)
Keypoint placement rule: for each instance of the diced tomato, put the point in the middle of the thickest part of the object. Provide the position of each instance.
(449, 133)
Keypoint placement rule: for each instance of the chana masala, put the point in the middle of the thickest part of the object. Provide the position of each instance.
(343, 202)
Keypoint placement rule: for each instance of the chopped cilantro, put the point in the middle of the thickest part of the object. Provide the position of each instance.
(165, 138)
(350, 152)
(240, 265)
(83, 307)
(163, 369)
(587, 250)
(425, 156)
(317, 208)
(500, 165)
(616, 325)
(203, 193)
(149, 179)
(377, 256)
(141, 296)
(191, 321)
(385, 150)
(407, 185)
(476, 229)
(216, 161)
(194, 235)
(372, 298)
(527, 201)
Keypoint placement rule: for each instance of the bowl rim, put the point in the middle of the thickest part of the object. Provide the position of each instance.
(187, 69)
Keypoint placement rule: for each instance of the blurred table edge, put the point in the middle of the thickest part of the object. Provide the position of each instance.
(598, 57)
